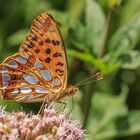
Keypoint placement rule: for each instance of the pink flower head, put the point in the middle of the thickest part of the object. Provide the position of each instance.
(51, 126)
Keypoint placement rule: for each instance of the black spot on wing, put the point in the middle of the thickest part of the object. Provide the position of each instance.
(13, 77)
(60, 72)
(30, 45)
(41, 43)
(48, 51)
(57, 55)
(59, 64)
(34, 38)
(47, 41)
(55, 42)
(37, 50)
(47, 60)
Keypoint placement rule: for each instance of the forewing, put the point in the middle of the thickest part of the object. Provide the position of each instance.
(45, 43)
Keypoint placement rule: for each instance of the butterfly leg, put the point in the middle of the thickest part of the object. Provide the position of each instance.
(71, 107)
(63, 104)
(40, 112)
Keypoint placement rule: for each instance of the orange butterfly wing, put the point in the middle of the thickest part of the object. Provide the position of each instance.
(39, 68)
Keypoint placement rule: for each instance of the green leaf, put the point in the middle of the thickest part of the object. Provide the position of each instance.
(125, 14)
(63, 21)
(132, 60)
(95, 21)
(13, 105)
(107, 108)
(125, 125)
(74, 31)
(30, 13)
(60, 17)
(75, 9)
(95, 62)
(113, 3)
(17, 37)
(124, 39)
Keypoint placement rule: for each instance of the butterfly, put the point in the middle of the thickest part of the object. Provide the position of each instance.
(39, 70)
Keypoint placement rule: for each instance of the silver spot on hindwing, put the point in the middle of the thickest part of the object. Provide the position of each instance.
(21, 60)
(30, 78)
(38, 64)
(25, 90)
(5, 77)
(46, 75)
(4, 70)
(12, 64)
(41, 90)
(15, 92)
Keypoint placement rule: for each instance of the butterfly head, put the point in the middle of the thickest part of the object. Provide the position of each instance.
(71, 90)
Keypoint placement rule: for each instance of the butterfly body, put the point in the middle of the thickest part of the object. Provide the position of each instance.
(39, 69)
(69, 91)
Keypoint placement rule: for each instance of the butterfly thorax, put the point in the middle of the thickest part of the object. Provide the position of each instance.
(69, 91)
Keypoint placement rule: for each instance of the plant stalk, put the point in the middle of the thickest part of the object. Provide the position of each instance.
(88, 100)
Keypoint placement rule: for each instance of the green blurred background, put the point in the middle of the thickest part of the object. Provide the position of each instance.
(99, 35)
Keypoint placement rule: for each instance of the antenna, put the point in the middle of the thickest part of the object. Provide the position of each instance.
(95, 77)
